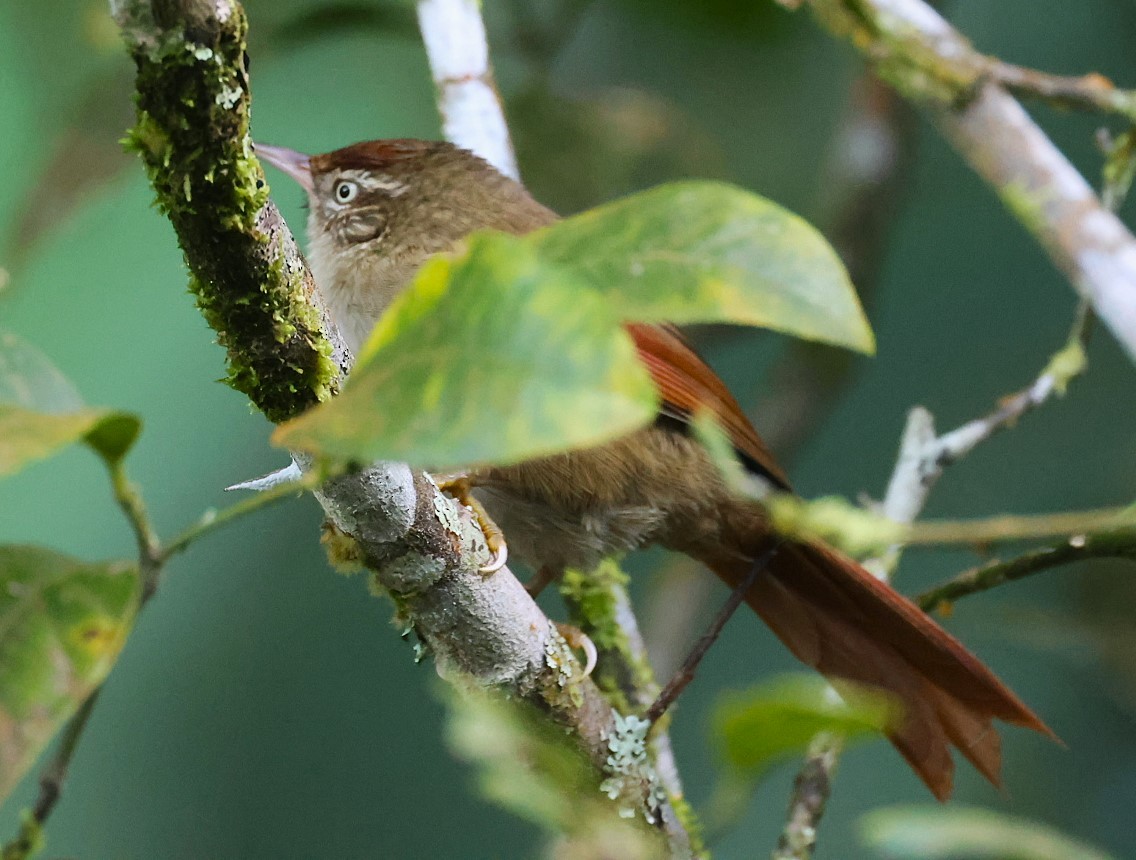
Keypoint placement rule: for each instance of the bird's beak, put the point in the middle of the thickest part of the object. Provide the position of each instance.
(295, 164)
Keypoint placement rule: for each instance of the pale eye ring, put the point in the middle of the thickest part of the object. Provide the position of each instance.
(346, 191)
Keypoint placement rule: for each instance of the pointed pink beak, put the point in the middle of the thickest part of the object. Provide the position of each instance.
(295, 164)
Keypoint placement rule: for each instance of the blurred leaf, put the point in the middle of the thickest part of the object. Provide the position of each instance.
(345, 19)
(709, 252)
(578, 152)
(27, 436)
(29, 379)
(778, 719)
(503, 353)
(533, 770)
(62, 625)
(492, 356)
(84, 157)
(930, 833)
(836, 521)
(763, 20)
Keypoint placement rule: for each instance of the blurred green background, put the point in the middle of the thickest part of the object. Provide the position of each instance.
(264, 707)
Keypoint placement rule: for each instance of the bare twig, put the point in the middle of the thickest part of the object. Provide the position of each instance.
(1113, 543)
(29, 840)
(472, 116)
(685, 673)
(923, 456)
(1093, 92)
(811, 790)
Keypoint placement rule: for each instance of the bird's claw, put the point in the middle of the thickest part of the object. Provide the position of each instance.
(497, 561)
(460, 488)
(579, 640)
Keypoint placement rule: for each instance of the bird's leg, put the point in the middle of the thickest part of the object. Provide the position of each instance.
(460, 487)
(541, 579)
(685, 674)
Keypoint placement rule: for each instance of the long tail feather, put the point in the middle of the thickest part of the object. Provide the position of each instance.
(835, 616)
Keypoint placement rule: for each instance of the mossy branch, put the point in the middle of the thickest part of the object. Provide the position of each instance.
(192, 133)
(1111, 543)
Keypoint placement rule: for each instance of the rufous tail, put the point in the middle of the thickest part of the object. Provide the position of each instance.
(838, 618)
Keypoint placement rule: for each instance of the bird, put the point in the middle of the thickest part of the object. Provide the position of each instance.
(378, 209)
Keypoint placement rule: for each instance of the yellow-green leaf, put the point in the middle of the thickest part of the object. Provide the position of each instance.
(27, 436)
(489, 357)
(62, 625)
(710, 252)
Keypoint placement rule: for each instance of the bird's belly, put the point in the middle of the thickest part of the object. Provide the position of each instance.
(548, 535)
(575, 509)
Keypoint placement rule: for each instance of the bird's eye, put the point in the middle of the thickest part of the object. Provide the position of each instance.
(346, 191)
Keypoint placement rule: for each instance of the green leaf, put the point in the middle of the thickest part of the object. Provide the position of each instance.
(937, 834)
(489, 357)
(27, 436)
(709, 252)
(513, 348)
(62, 625)
(778, 719)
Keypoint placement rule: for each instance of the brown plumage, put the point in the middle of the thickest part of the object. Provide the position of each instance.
(378, 209)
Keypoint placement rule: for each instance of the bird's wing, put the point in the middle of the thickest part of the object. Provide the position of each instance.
(687, 385)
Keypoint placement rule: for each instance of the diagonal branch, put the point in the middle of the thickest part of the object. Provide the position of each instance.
(1112, 543)
(917, 51)
(458, 50)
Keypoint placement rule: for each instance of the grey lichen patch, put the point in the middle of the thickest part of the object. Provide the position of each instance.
(559, 658)
(448, 513)
(193, 137)
(629, 768)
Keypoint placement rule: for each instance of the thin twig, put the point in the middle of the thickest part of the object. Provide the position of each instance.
(1003, 529)
(1092, 92)
(28, 841)
(923, 456)
(1114, 543)
(213, 520)
(152, 558)
(685, 674)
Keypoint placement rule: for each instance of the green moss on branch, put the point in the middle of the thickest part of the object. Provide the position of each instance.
(192, 134)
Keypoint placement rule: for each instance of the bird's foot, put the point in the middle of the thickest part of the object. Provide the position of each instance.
(459, 486)
(578, 640)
